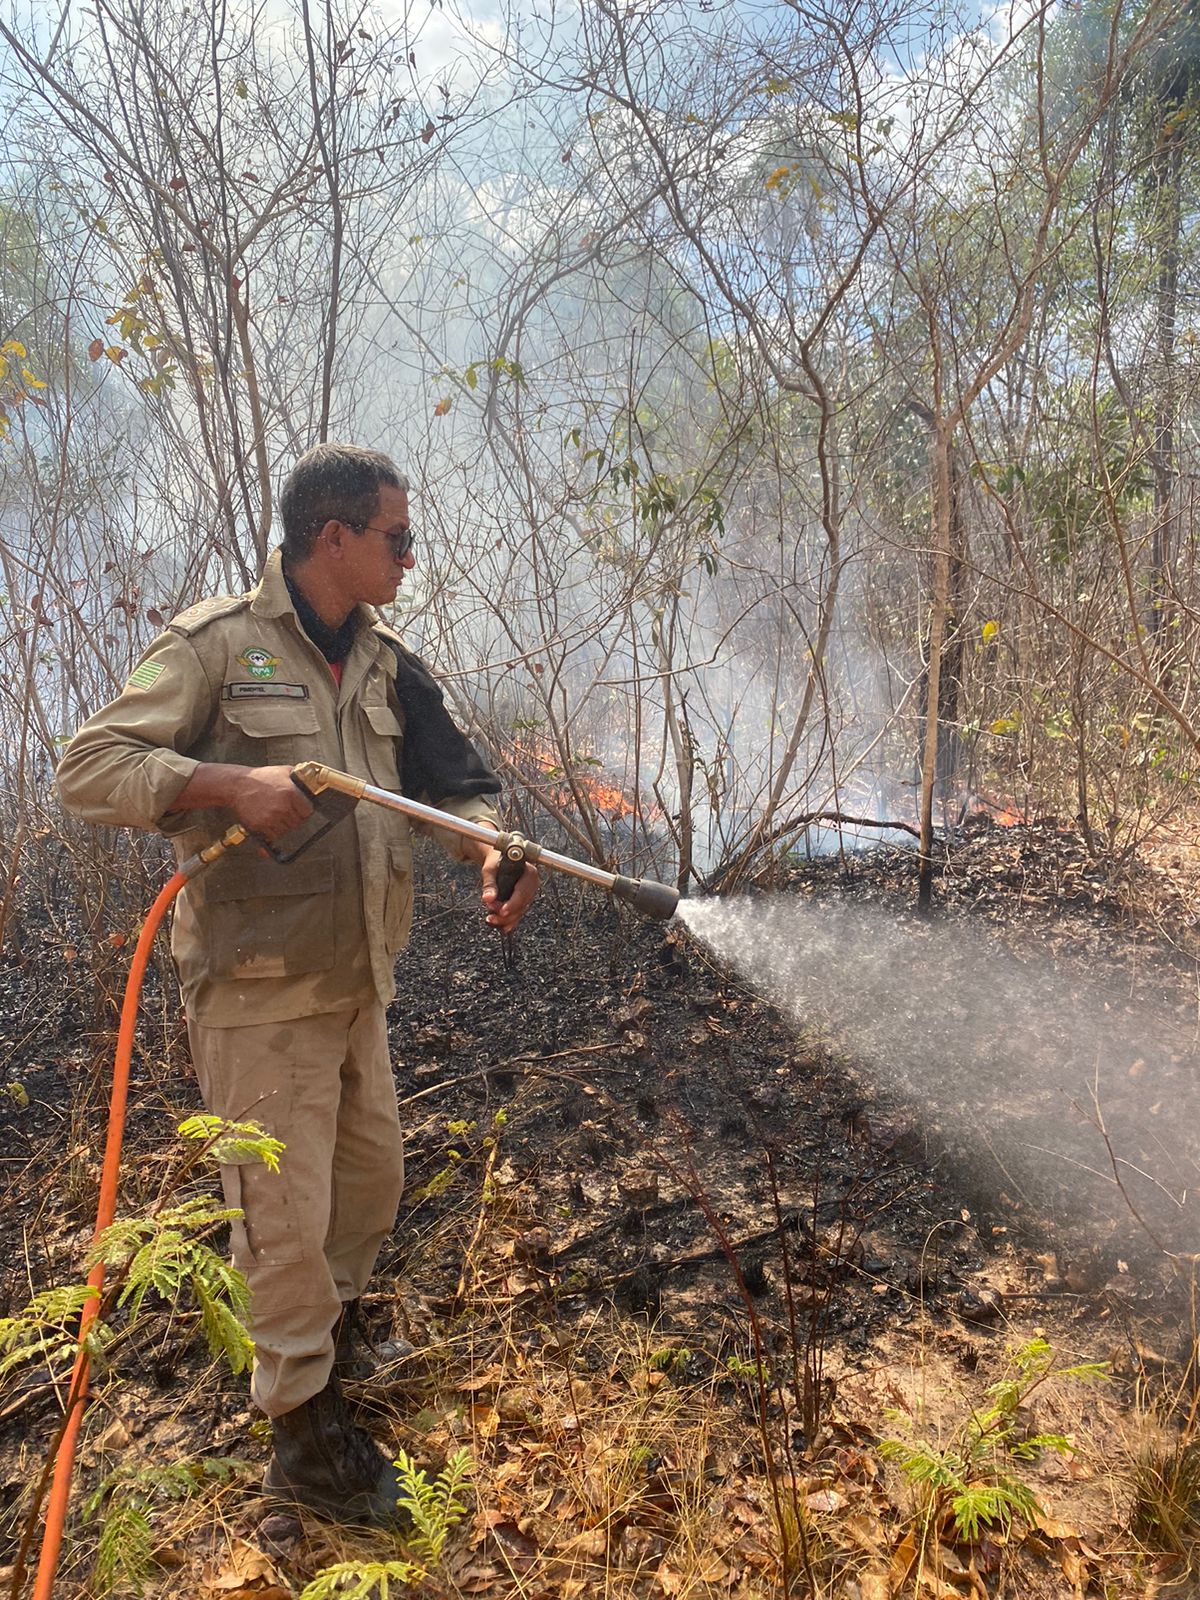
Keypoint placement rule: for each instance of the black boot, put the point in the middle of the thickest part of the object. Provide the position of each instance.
(322, 1460)
(356, 1359)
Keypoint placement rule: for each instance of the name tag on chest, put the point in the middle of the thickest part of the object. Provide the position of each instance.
(265, 691)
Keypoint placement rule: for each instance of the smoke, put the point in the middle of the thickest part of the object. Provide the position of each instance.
(1048, 1088)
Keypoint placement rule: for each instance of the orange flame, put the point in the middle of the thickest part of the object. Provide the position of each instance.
(1003, 812)
(604, 795)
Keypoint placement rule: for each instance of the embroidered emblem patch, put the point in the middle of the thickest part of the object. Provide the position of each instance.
(258, 663)
(145, 676)
(265, 691)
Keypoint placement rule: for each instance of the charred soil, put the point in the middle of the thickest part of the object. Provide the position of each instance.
(672, 1267)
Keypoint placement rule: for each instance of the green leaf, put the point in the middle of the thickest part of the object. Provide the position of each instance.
(361, 1580)
(434, 1507)
(234, 1144)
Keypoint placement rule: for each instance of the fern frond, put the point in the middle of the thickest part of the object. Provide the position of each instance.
(1006, 1397)
(982, 1504)
(454, 1477)
(434, 1507)
(126, 1499)
(125, 1551)
(127, 1235)
(1019, 1497)
(51, 1347)
(1029, 1449)
(225, 1282)
(224, 1331)
(1033, 1359)
(167, 1254)
(151, 1482)
(119, 1240)
(922, 1464)
(47, 1328)
(56, 1308)
(1087, 1372)
(193, 1216)
(361, 1580)
(234, 1144)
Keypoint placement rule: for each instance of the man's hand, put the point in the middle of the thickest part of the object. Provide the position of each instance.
(506, 915)
(269, 803)
(264, 798)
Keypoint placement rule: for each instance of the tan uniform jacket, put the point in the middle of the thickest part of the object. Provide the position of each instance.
(237, 680)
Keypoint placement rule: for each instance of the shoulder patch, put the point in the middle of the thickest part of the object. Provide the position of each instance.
(199, 616)
(146, 675)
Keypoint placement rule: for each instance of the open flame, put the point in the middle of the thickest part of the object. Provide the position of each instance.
(1005, 813)
(606, 796)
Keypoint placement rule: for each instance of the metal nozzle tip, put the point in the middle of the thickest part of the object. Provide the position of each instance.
(657, 900)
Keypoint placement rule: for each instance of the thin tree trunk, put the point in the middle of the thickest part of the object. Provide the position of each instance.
(940, 516)
(1162, 455)
(951, 678)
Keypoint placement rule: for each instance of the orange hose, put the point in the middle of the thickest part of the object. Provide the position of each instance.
(60, 1488)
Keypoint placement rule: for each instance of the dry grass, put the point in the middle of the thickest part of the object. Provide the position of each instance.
(611, 1460)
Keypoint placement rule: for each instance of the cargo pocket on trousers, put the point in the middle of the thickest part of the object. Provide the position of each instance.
(269, 921)
(268, 1234)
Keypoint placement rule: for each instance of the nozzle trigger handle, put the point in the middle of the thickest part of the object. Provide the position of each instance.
(329, 807)
(512, 865)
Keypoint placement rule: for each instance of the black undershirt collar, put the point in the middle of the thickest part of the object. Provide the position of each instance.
(334, 643)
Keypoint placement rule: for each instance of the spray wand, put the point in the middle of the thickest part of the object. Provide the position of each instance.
(335, 793)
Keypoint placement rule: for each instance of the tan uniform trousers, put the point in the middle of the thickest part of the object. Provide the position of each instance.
(323, 1085)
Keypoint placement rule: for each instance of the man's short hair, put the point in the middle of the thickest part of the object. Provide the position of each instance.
(333, 481)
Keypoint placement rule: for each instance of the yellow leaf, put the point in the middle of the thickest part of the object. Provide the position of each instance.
(14, 347)
(989, 632)
(874, 1584)
(115, 354)
(34, 383)
(903, 1557)
(1075, 1570)
(485, 1420)
(1053, 1528)
(247, 1572)
(778, 176)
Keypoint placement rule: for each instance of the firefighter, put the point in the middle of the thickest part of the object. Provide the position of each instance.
(286, 971)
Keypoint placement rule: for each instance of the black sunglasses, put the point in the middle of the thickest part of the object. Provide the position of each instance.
(401, 542)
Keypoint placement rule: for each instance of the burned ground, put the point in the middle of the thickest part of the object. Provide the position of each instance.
(629, 1174)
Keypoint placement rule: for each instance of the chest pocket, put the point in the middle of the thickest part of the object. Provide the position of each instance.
(382, 732)
(270, 733)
